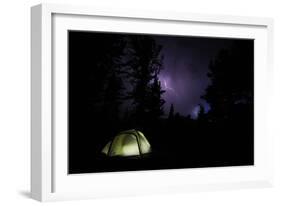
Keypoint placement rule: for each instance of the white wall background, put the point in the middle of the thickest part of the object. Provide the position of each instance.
(15, 102)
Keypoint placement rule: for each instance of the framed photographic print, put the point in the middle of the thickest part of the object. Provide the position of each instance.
(137, 102)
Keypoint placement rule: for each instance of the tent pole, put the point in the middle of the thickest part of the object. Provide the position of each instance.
(137, 136)
(110, 147)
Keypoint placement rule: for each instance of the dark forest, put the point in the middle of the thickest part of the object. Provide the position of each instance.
(191, 97)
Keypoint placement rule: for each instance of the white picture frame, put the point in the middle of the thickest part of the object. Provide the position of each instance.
(49, 178)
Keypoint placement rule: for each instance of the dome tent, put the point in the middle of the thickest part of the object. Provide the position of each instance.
(127, 143)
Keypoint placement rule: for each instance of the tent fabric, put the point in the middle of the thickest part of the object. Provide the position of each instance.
(127, 143)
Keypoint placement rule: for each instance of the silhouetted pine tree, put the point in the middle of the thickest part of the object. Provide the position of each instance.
(113, 86)
(201, 112)
(232, 79)
(171, 113)
(112, 98)
(155, 104)
(144, 65)
(94, 81)
(230, 96)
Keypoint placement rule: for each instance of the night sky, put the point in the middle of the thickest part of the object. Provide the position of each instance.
(184, 77)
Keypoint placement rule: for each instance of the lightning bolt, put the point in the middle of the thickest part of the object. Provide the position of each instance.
(166, 87)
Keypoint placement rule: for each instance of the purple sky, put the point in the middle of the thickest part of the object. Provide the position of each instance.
(184, 77)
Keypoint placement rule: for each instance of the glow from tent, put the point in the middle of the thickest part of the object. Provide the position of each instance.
(144, 144)
(127, 143)
(130, 149)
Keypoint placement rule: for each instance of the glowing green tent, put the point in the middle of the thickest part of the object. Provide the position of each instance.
(127, 143)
